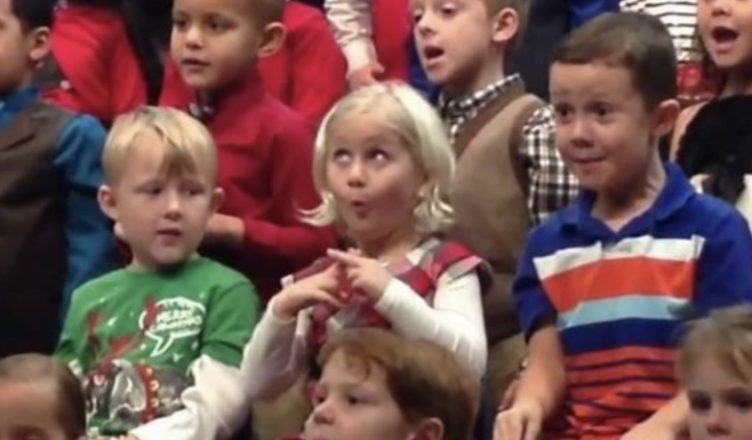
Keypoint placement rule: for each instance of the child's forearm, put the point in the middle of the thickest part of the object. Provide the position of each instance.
(225, 230)
(674, 413)
(544, 380)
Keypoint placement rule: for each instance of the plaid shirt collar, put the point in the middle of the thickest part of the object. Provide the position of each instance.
(456, 112)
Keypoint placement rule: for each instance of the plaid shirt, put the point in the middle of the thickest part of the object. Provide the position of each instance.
(552, 186)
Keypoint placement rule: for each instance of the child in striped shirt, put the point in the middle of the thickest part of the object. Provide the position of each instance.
(605, 285)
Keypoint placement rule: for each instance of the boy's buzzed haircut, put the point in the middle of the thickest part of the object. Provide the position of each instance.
(425, 379)
(268, 11)
(71, 405)
(33, 13)
(638, 42)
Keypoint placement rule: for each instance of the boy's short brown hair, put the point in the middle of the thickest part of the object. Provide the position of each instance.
(70, 403)
(638, 42)
(424, 378)
(726, 337)
(267, 11)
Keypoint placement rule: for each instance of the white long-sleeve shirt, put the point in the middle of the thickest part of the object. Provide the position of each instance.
(278, 352)
(351, 22)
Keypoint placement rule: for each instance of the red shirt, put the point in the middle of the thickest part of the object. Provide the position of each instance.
(265, 155)
(104, 78)
(308, 73)
(392, 36)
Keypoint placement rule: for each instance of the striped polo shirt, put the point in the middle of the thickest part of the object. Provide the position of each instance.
(621, 299)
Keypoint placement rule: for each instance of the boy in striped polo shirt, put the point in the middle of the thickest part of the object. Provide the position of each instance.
(605, 286)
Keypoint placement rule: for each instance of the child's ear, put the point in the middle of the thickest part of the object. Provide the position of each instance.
(107, 202)
(665, 116)
(273, 37)
(39, 44)
(218, 196)
(428, 429)
(506, 25)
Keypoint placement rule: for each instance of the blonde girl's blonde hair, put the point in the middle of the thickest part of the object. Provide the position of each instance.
(725, 336)
(189, 148)
(405, 112)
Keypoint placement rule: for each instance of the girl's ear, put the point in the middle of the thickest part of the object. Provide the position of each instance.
(108, 202)
(273, 37)
(428, 429)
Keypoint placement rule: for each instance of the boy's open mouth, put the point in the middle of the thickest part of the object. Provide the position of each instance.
(433, 52)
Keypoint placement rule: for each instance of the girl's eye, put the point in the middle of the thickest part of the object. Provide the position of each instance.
(417, 15)
(448, 9)
(353, 400)
(378, 154)
(741, 401)
(602, 110)
(340, 155)
(179, 23)
(700, 403)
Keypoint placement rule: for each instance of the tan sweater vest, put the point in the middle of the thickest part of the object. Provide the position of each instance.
(489, 199)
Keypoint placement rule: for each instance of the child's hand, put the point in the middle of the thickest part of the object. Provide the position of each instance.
(224, 229)
(520, 422)
(651, 429)
(366, 75)
(316, 289)
(364, 274)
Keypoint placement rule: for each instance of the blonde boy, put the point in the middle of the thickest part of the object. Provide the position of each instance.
(158, 344)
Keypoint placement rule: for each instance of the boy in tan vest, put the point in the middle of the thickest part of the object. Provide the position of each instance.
(509, 174)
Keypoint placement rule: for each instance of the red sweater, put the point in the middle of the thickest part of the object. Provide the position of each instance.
(91, 46)
(265, 156)
(308, 73)
(392, 36)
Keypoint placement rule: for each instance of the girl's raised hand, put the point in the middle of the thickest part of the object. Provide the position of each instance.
(310, 291)
(364, 274)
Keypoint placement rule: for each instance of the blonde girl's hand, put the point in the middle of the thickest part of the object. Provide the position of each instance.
(364, 274)
(316, 289)
(522, 421)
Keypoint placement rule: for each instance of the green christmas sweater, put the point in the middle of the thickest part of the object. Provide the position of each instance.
(159, 353)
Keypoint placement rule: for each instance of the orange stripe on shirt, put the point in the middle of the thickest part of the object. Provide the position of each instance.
(613, 278)
(620, 354)
(621, 371)
(607, 392)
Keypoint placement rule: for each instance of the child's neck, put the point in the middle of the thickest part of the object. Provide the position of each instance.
(739, 82)
(389, 248)
(617, 209)
(491, 72)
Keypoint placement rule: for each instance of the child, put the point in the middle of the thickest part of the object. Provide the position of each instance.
(265, 149)
(158, 344)
(713, 139)
(93, 68)
(307, 73)
(40, 398)
(715, 367)
(383, 185)
(380, 386)
(504, 140)
(52, 235)
(605, 284)
(680, 18)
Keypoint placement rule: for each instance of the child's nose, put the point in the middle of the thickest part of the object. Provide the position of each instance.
(716, 421)
(323, 412)
(356, 174)
(193, 37)
(174, 205)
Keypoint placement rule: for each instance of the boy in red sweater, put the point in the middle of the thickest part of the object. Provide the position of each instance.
(307, 73)
(265, 149)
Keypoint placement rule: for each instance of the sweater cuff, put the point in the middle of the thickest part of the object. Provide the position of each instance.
(359, 53)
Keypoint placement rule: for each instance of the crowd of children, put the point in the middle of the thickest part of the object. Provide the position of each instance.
(236, 219)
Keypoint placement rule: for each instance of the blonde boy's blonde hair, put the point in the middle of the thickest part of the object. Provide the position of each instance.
(402, 110)
(726, 337)
(189, 148)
